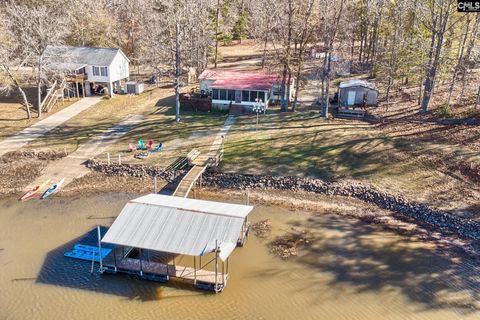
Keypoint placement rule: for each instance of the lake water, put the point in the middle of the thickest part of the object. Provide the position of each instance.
(352, 270)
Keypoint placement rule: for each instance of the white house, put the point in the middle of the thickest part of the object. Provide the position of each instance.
(96, 68)
(246, 89)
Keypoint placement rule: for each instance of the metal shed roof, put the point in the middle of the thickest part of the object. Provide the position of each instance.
(178, 225)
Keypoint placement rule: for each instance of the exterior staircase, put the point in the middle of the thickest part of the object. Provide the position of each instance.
(55, 92)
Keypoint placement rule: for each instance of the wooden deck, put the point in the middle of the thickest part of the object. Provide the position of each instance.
(203, 279)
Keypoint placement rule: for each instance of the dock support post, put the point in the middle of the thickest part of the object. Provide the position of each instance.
(223, 273)
(100, 248)
(194, 270)
(141, 267)
(155, 184)
(115, 257)
(216, 266)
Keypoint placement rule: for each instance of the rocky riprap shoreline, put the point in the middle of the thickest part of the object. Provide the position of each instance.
(139, 171)
(421, 213)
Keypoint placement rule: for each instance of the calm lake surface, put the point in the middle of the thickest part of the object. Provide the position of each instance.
(352, 270)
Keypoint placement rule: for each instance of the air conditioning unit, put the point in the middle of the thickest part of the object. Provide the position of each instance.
(133, 87)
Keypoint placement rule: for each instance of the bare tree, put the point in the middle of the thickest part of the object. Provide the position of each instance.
(330, 24)
(11, 66)
(172, 31)
(34, 27)
(436, 20)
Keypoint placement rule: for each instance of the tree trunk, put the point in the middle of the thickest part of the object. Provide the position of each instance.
(39, 86)
(216, 32)
(471, 44)
(460, 63)
(25, 101)
(433, 66)
(285, 101)
(177, 72)
(389, 86)
(39, 97)
(22, 93)
(327, 87)
(264, 57)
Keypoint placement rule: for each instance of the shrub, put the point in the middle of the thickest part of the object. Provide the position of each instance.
(444, 110)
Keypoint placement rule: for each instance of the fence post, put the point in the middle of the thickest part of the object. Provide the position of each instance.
(119, 159)
(108, 157)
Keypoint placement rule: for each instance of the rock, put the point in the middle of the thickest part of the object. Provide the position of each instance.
(214, 178)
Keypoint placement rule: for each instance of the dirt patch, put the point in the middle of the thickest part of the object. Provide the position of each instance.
(15, 156)
(262, 228)
(287, 245)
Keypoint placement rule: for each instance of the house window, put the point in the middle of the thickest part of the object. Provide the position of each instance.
(253, 96)
(104, 71)
(223, 94)
(231, 95)
(261, 96)
(96, 71)
(245, 95)
(215, 94)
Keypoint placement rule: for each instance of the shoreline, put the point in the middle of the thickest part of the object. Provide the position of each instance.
(346, 198)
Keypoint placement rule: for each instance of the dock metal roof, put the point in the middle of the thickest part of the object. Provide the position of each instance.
(178, 225)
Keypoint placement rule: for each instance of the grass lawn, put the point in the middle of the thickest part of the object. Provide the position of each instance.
(13, 117)
(99, 118)
(304, 144)
(196, 130)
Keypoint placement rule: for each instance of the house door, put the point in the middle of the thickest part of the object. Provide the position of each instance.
(351, 98)
(238, 96)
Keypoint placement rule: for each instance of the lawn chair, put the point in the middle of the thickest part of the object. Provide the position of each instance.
(157, 148)
(150, 145)
(132, 147)
(141, 145)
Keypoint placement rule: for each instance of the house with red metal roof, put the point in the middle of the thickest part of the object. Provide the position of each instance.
(247, 89)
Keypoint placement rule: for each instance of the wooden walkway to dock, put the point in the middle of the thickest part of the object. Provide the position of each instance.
(184, 187)
(200, 164)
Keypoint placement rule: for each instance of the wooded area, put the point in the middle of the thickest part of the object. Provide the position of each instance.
(423, 44)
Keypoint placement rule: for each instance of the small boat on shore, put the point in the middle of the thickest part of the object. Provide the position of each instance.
(53, 189)
(29, 195)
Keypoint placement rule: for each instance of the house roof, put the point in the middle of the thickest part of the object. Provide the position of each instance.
(356, 83)
(178, 225)
(73, 58)
(240, 80)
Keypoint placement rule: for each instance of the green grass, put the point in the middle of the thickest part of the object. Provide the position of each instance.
(303, 144)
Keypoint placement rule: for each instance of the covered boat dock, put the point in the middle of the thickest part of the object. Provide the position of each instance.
(158, 237)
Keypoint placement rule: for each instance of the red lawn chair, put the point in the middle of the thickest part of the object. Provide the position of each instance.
(149, 145)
